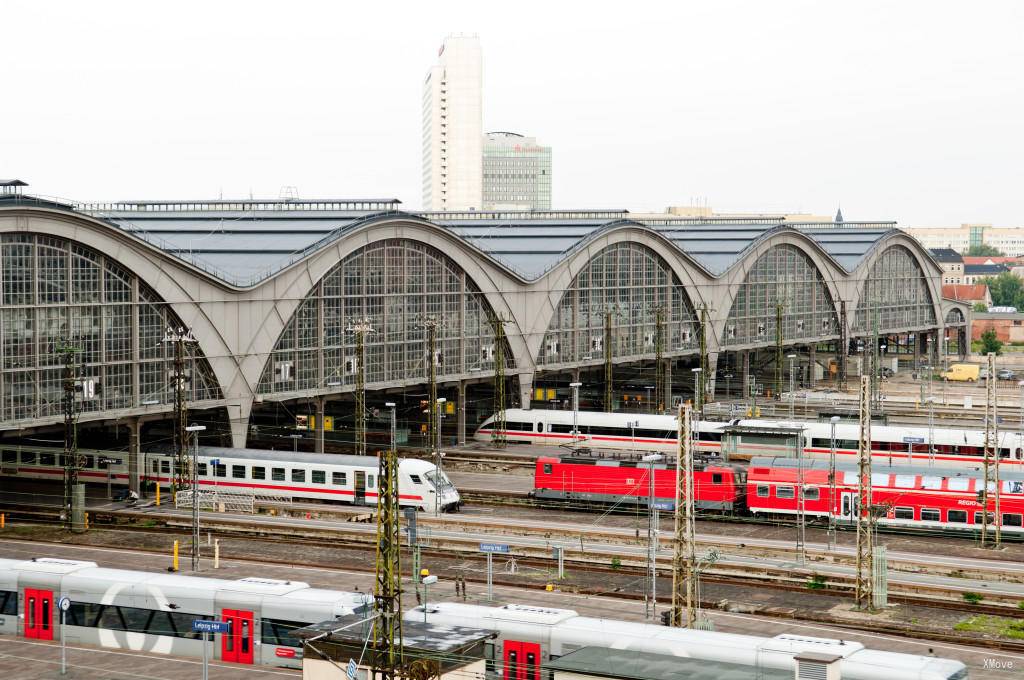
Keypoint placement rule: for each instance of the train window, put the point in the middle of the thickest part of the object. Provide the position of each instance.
(783, 492)
(165, 467)
(879, 479)
(10, 456)
(929, 515)
(318, 477)
(1013, 487)
(88, 462)
(203, 470)
(906, 481)
(28, 457)
(978, 519)
(958, 516)
(298, 475)
(277, 474)
(959, 484)
(1004, 453)
(415, 479)
(903, 513)
(102, 464)
(278, 632)
(238, 472)
(716, 478)
(850, 478)
(8, 602)
(339, 478)
(811, 493)
(933, 483)
(1011, 520)
(557, 427)
(259, 472)
(370, 481)
(540, 427)
(711, 436)
(47, 459)
(547, 468)
(762, 491)
(220, 470)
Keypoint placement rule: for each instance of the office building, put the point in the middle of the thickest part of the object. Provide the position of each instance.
(517, 173)
(453, 127)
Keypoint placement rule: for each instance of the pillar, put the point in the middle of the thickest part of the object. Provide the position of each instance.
(812, 357)
(525, 389)
(712, 374)
(936, 351)
(461, 410)
(318, 444)
(238, 420)
(134, 470)
(667, 367)
(963, 345)
(746, 373)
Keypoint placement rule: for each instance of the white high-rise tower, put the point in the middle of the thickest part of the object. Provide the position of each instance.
(453, 127)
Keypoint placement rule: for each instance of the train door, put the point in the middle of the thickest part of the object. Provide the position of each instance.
(236, 645)
(38, 614)
(522, 660)
(360, 488)
(848, 506)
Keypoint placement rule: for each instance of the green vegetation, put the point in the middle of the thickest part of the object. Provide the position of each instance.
(980, 307)
(983, 250)
(1006, 290)
(972, 598)
(990, 343)
(616, 563)
(1020, 605)
(993, 625)
(817, 582)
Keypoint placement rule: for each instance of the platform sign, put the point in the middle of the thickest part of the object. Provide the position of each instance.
(64, 604)
(351, 670)
(494, 547)
(664, 505)
(110, 461)
(204, 626)
(913, 440)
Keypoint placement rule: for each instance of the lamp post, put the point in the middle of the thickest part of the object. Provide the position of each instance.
(833, 508)
(575, 412)
(728, 383)
(196, 429)
(698, 398)
(439, 456)
(651, 602)
(792, 387)
(426, 579)
(295, 442)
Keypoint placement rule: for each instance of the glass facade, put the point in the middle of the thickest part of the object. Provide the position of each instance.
(54, 290)
(783, 275)
(896, 293)
(517, 173)
(398, 286)
(632, 282)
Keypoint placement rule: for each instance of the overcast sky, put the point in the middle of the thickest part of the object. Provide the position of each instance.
(900, 110)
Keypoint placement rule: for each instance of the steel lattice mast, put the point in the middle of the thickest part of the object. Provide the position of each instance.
(684, 562)
(387, 626)
(498, 437)
(182, 477)
(609, 392)
(865, 556)
(704, 379)
(360, 328)
(71, 460)
(433, 421)
(991, 462)
(659, 360)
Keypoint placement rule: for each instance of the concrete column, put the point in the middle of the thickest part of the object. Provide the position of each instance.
(812, 357)
(319, 436)
(936, 349)
(746, 373)
(711, 376)
(461, 411)
(525, 389)
(238, 418)
(134, 470)
(964, 342)
(668, 382)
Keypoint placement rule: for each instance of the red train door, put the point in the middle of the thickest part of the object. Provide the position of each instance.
(522, 660)
(38, 614)
(236, 645)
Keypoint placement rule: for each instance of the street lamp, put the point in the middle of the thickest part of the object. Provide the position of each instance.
(833, 508)
(652, 537)
(698, 398)
(575, 412)
(792, 387)
(439, 456)
(195, 494)
(427, 580)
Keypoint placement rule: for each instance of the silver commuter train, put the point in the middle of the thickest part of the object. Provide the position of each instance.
(330, 477)
(153, 612)
(529, 636)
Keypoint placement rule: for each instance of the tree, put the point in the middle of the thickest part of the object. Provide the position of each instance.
(980, 307)
(983, 250)
(990, 343)
(1006, 290)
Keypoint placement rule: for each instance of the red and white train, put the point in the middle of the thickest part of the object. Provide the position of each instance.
(938, 498)
(640, 432)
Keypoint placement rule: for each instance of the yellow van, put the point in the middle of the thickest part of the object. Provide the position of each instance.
(962, 372)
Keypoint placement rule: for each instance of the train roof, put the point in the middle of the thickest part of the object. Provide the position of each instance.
(288, 456)
(883, 468)
(634, 665)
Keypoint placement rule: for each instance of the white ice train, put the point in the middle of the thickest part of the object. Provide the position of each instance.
(153, 612)
(901, 444)
(317, 476)
(530, 636)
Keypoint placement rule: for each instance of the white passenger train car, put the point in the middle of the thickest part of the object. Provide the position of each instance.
(153, 612)
(314, 476)
(530, 636)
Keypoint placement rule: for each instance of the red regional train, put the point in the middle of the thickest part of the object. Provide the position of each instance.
(935, 498)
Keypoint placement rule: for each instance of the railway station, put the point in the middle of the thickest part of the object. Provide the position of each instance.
(283, 306)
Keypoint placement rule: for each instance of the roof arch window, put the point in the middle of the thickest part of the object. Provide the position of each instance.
(895, 295)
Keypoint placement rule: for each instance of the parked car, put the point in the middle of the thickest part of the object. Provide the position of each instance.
(962, 373)
(983, 373)
(1005, 374)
